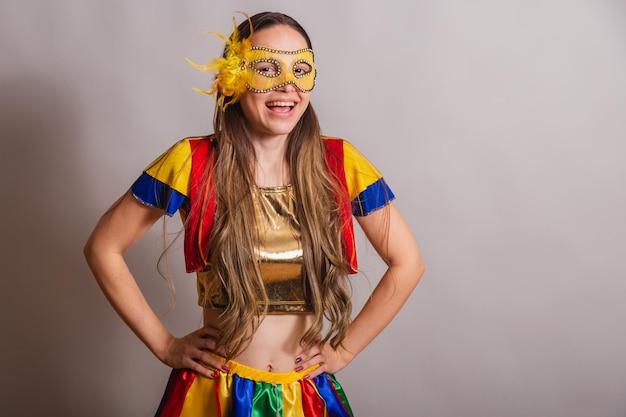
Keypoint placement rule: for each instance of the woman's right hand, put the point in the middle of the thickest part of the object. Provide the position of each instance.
(193, 351)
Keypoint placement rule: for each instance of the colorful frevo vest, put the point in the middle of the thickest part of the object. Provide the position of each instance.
(175, 182)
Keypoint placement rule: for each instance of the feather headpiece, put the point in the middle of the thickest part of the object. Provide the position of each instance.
(231, 76)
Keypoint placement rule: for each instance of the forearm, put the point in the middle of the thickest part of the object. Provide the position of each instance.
(383, 305)
(391, 236)
(385, 302)
(119, 229)
(122, 291)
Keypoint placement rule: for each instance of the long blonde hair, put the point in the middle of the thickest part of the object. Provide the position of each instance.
(318, 196)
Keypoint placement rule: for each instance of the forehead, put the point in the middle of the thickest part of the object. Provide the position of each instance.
(280, 37)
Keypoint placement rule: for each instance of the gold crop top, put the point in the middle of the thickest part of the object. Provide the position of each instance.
(279, 252)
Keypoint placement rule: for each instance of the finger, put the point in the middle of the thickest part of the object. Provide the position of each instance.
(211, 361)
(221, 351)
(307, 355)
(206, 344)
(312, 373)
(209, 345)
(311, 360)
(201, 339)
(309, 363)
(202, 370)
(207, 332)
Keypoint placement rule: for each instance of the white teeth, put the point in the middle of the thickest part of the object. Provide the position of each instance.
(281, 104)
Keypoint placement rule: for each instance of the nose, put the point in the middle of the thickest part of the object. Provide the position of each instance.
(288, 88)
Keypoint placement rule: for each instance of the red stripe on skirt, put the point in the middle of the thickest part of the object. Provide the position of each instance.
(312, 404)
(217, 393)
(179, 384)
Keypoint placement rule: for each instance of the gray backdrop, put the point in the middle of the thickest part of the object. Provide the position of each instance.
(499, 124)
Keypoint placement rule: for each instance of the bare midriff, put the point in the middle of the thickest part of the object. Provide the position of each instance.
(276, 343)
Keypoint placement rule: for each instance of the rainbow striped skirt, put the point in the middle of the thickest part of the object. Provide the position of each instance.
(249, 392)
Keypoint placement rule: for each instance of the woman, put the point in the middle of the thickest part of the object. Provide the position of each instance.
(267, 204)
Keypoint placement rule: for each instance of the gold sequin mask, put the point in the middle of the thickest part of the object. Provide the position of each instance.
(244, 67)
(272, 69)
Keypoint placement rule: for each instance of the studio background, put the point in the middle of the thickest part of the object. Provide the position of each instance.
(498, 124)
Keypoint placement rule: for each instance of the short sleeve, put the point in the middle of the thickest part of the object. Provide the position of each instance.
(366, 185)
(165, 182)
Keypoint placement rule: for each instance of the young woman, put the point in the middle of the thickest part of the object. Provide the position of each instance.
(267, 205)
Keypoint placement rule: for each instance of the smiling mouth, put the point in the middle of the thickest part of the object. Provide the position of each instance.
(281, 106)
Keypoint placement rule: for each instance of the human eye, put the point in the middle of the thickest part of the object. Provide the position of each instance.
(267, 68)
(302, 68)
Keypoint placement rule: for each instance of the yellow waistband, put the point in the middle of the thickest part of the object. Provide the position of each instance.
(264, 376)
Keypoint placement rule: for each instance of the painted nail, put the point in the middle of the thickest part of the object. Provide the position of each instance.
(299, 368)
(298, 359)
(225, 368)
(307, 376)
(213, 375)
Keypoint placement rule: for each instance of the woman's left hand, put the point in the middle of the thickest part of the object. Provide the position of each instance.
(330, 360)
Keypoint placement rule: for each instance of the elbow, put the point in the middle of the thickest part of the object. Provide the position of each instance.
(89, 251)
(410, 266)
(93, 250)
(418, 269)
(417, 274)
(87, 248)
(420, 272)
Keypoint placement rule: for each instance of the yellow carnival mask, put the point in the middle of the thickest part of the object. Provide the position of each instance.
(256, 68)
(272, 69)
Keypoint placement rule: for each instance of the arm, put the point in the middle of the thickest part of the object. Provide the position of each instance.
(121, 227)
(392, 238)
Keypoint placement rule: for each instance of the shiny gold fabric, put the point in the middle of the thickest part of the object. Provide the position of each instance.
(280, 250)
(279, 253)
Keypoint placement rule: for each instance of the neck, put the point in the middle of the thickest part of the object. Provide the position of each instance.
(271, 168)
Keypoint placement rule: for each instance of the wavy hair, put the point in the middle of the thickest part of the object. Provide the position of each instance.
(233, 263)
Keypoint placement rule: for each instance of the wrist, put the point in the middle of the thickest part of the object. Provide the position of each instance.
(347, 355)
(161, 348)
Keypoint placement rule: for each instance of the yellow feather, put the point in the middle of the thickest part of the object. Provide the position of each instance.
(231, 74)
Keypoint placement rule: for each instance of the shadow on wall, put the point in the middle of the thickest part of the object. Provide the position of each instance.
(48, 298)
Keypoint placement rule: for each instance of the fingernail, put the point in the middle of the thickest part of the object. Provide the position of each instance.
(299, 368)
(213, 375)
(225, 368)
(307, 376)
(298, 359)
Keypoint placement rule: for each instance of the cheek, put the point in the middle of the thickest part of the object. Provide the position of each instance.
(305, 98)
(304, 104)
(249, 104)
